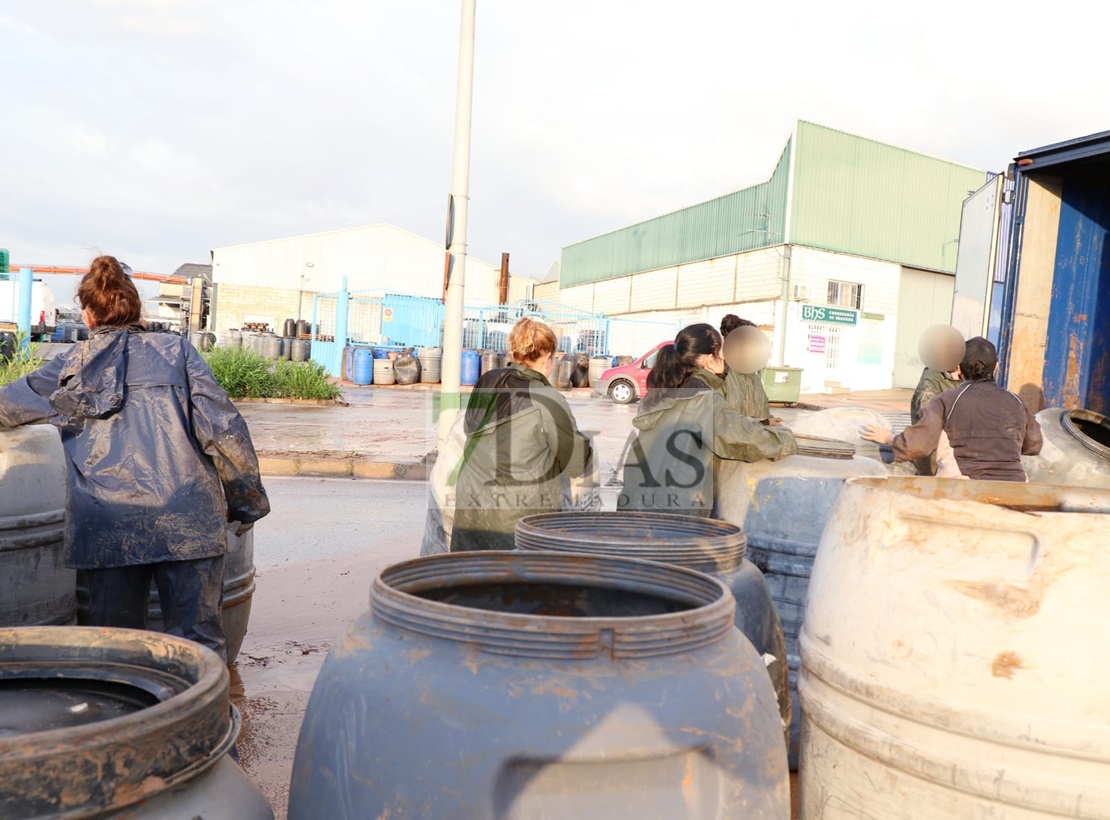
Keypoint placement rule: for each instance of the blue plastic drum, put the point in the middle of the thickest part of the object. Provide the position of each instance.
(363, 366)
(471, 367)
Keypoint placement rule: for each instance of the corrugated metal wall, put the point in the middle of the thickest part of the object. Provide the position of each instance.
(862, 197)
(741, 221)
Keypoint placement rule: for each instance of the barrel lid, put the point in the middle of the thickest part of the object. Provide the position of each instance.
(119, 716)
(705, 544)
(821, 447)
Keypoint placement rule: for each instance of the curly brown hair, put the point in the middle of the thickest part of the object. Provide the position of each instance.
(109, 295)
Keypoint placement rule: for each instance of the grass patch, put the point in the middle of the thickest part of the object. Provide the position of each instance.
(303, 380)
(245, 374)
(22, 361)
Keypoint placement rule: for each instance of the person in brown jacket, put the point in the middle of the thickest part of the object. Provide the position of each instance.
(990, 428)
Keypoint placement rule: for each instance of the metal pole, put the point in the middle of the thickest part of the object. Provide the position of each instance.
(23, 316)
(342, 303)
(451, 373)
(785, 298)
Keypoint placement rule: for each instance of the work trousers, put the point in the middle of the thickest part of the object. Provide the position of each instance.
(189, 594)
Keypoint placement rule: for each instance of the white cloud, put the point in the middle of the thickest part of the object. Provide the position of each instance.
(202, 123)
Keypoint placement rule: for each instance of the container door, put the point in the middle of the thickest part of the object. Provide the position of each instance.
(1077, 355)
(975, 263)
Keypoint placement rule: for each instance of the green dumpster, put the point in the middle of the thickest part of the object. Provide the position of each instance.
(783, 384)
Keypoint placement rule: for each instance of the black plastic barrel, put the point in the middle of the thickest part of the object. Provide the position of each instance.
(580, 372)
(406, 367)
(564, 370)
(304, 328)
(713, 547)
(516, 684)
(289, 329)
(116, 722)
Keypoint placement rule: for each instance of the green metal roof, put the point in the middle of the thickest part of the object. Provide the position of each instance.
(849, 194)
(866, 198)
(742, 221)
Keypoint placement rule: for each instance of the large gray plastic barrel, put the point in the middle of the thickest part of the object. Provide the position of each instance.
(1076, 449)
(271, 347)
(782, 506)
(598, 366)
(954, 653)
(431, 359)
(35, 585)
(713, 547)
(514, 684)
(114, 723)
(302, 350)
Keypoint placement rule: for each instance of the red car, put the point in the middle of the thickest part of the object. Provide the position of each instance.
(628, 382)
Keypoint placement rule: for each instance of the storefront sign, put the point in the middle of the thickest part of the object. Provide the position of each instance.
(829, 315)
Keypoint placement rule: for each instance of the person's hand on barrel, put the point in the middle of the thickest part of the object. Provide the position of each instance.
(877, 434)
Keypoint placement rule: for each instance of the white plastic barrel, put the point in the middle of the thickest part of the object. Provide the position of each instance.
(383, 372)
(954, 653)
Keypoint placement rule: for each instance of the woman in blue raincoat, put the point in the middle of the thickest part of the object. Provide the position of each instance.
(157, 460)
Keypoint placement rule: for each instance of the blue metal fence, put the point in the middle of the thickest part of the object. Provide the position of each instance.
(395, 321)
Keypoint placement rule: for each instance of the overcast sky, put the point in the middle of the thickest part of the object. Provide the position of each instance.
(159, 129)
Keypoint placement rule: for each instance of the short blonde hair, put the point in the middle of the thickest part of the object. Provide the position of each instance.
(530, 340)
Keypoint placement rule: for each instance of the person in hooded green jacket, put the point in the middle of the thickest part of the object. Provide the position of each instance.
(686, 425)
(521, 439)
(941, 348)
(743, 386)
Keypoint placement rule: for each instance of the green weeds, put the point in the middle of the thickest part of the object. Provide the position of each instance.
(24, 360)
(245, 374)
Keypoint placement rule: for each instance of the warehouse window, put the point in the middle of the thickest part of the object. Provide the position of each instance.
(845, 294)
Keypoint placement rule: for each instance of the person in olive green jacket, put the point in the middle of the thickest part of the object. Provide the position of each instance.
(521, 439)
(743, 386)
(685, 425)
(941, 348)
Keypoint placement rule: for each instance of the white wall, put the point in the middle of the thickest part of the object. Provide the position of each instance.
(925, 300)
(375, 257)
(857, 357)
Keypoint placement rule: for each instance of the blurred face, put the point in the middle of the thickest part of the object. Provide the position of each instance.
(747, 350)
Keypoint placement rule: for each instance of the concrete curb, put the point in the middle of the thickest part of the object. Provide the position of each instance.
(351, 467)
(301, 402)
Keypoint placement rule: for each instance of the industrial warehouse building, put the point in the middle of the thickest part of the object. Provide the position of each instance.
(844, 256)
(380, 266)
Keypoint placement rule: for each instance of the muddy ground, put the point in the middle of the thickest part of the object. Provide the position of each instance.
(316, 556)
